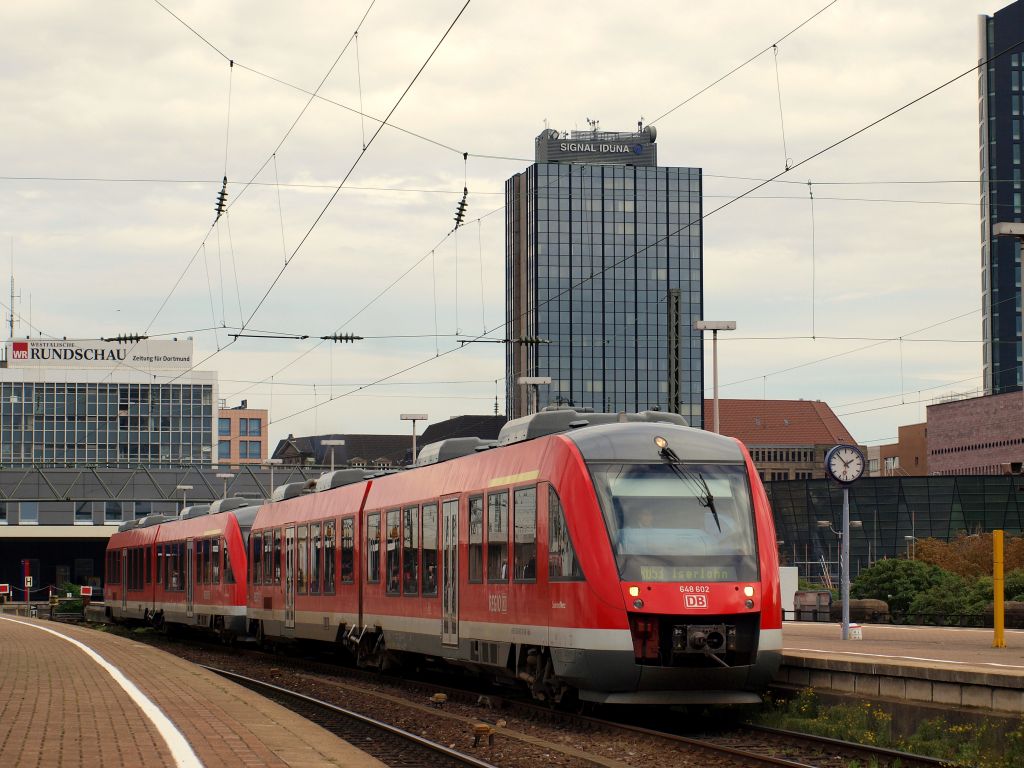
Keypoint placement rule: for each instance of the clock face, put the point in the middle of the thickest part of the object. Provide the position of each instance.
(845, 463)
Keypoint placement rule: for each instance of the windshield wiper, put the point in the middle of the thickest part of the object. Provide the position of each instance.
(706, 499)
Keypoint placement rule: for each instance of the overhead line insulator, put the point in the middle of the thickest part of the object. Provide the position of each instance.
(342, 337)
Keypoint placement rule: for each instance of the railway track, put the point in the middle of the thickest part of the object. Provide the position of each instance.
(493, 730)
(388, 743)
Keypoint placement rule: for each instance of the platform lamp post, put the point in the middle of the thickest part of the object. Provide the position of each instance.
(184, 494)
(413, 417)
(911, 547)
(272, 463)
(332, 444)
(714, 326)
(225, 476)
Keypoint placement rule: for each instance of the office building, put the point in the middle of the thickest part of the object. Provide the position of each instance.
(241, 434)
(604, 277)
(1000, 92)
(77, 402)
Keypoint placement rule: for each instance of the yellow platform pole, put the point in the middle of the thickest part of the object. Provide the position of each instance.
(998, 589)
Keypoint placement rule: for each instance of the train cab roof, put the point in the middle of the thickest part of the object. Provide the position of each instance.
(555, 419)
(127, 525)
(452, 448)
(291, 490)
(338, 478)
(227, 505)
(197, 510)
(151, 520)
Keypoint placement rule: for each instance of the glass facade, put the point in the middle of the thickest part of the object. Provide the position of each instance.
(605, 263)
(105, 423)
(894, 512)
(999, 132)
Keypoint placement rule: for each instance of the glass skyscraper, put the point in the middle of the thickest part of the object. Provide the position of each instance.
(1000, 92)
(604, 277)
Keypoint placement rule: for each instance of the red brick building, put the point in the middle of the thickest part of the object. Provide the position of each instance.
(787, 439)
(976, 436)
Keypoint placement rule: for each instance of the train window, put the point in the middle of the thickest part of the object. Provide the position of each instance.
(256, 559)
(159, 563)
(393, 553)
(524, 553)
(688, 522)
(302, 566)
(429, 538)
(410, 551)
(149, 565)
(373, 548)
(348, 550)
(562, 562)
(497, 536)
(215, 558)
(277, 555)
(329, 555)
(229, 576)
(268, 557)
(198, 561)
(476, 539)
(315, 558)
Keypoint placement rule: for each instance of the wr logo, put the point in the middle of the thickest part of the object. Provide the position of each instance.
(695, 601)
(20, 350)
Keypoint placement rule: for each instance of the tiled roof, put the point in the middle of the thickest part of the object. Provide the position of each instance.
(484, 427)
(368, 447)
(778, 422)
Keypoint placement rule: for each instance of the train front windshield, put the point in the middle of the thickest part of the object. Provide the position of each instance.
(688, 522)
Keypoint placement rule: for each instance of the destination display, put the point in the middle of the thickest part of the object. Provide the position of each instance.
(148, 354)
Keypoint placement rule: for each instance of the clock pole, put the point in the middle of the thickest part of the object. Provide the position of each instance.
(846, 562)
(852, 468)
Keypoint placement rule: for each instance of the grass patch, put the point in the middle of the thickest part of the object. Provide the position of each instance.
(983, 746)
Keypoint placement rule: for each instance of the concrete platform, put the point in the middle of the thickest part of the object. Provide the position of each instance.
(948, 666)
(77, 697)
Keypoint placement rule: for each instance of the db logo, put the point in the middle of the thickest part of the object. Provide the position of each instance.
(695, 601)
(20, 350)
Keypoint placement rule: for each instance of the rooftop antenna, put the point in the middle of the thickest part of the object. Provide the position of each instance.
(640, 124)
(594, 124)
(11, 317)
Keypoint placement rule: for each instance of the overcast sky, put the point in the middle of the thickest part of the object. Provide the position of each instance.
(124, 94)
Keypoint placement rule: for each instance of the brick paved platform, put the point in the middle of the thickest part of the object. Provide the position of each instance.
(60, 707)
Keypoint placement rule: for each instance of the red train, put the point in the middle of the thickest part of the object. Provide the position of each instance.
(618, 558)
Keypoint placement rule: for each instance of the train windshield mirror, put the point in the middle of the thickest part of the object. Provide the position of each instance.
(661, 526)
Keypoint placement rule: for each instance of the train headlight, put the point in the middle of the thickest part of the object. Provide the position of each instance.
(634, 591)
(638, 603)
(748, 591)
(661, 442)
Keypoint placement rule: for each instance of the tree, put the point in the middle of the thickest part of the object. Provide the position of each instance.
(897, 582)
(970, 555)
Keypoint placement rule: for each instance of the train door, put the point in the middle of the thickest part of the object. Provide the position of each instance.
(124, 580)
(289, 577)
(190, 577)
(450, 572)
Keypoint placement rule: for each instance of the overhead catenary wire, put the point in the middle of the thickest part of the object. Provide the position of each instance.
(737, 68)
(341, 184)
(702, 217)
